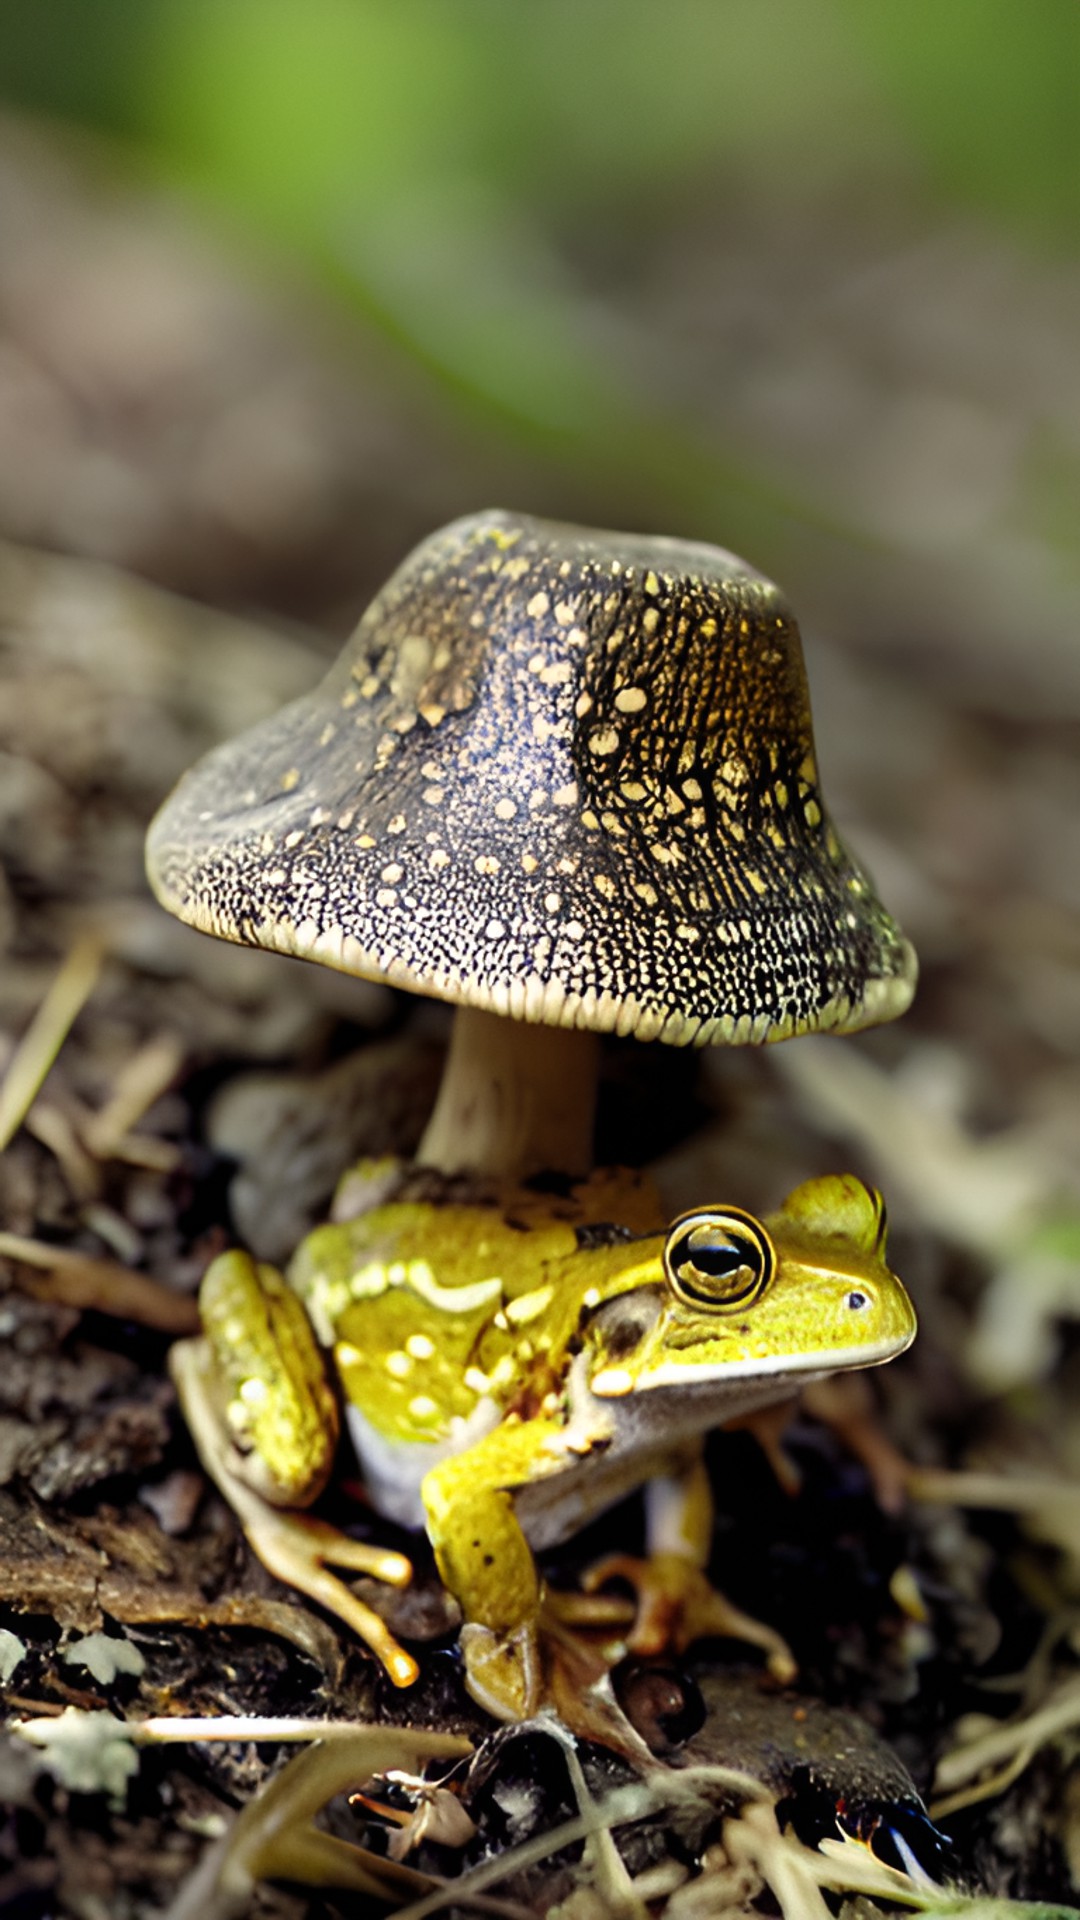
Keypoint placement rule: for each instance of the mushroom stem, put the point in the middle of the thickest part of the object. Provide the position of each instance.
(515, 1099)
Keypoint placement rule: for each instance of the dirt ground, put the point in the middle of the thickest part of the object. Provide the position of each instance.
(175, 422)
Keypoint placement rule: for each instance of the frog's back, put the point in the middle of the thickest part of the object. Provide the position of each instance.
(433, 1310)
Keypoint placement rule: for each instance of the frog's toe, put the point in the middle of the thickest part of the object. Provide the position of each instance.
(678, 1604)
(296, 1548)
(502, 1670)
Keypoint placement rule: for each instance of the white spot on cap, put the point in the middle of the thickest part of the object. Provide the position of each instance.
(557, 674)
(603, 740)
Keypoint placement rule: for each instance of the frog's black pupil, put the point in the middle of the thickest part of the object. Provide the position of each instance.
(721, 1261)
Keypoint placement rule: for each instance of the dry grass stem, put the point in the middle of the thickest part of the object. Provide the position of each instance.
(49, 1028)
(142, 1080)
(80, 1280)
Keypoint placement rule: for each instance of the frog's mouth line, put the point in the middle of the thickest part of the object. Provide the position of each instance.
(697, 1374)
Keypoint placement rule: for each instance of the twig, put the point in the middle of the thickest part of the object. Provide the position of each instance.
(80, 1280)
(48, 1030)
(141, 1080)
(1009, 1492)
(1057, 1715)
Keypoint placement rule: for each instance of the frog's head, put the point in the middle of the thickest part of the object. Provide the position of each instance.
(748, 1304)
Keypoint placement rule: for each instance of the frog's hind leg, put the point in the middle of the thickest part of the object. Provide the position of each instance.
(296, 1547)
(677, 1602)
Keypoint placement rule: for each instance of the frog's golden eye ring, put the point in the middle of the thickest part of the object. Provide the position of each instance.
(719, 1258)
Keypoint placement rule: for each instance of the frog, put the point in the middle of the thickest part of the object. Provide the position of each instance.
(509, 1368)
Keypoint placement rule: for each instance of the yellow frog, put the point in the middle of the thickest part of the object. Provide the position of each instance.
(510, 1370)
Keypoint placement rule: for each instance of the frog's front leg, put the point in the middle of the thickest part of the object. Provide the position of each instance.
(485, 1561)
(264, 1421)
(677, 1603)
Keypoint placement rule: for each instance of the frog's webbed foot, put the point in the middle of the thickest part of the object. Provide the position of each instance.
(299, 1550)
(296, 1547)
(677, 1604)
(561, 1663)
(503, 1670)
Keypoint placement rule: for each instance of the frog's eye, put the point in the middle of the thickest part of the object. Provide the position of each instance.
(719, 1259)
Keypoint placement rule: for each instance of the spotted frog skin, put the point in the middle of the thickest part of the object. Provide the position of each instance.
(509, 1371)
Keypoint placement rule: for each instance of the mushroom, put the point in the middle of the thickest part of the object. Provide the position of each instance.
(564, 779)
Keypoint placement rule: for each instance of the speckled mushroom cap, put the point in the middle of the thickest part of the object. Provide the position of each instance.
(556, 773)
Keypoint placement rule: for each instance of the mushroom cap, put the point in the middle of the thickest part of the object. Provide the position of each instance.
(559, 774)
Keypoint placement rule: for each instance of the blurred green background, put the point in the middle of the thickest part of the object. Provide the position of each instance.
(590, 236)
